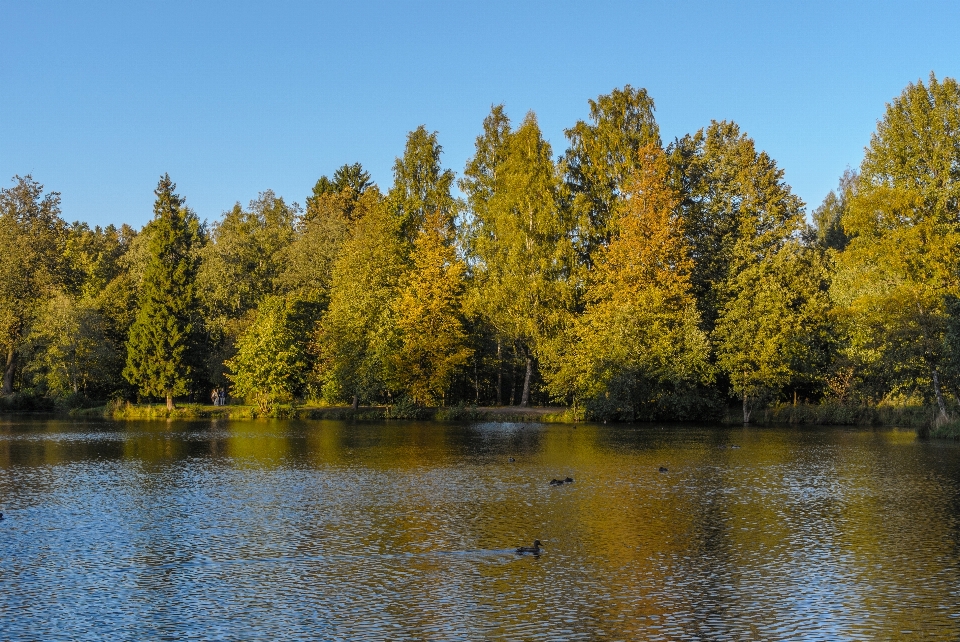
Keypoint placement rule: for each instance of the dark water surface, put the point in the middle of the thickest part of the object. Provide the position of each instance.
(259, 530)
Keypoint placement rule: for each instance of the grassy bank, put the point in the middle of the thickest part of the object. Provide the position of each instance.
(925, 419)
(125, 410)
(922, 418)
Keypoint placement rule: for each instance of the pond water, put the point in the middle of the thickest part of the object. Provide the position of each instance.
(261, 530)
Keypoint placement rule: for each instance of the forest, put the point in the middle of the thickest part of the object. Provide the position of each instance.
(623, 277)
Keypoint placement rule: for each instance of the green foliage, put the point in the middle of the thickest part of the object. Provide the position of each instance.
(602, 159)
(429, 317)
(520, 238)
(828, 218)
(240, 264)
(627, 281)
(350, 181)
(73, 350)
(31, 235)
(353, 336)
(736, 208)
(773, 324)
(637, 350)
(420, 185)
(273, 364)
(239, 268)
(308, 262)
(901, 264)
(163, 350)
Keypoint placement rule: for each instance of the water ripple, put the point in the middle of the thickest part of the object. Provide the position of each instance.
(299, 530)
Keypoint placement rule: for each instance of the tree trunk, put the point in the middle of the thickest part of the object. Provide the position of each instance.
(939, 392)
(499, 376)
(525, 397)
(356, 402)
(746, 409)
(170, 405)
(8, 371)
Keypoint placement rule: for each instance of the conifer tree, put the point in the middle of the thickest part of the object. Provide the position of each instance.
(163, 349)
(349, 183)
(433, 343)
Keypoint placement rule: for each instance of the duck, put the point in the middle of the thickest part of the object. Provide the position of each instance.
(556, 482)
(535, 549)
(663, 469)
(512, 460)
(568, 480)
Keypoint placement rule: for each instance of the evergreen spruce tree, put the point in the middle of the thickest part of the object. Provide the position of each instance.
(162, 350)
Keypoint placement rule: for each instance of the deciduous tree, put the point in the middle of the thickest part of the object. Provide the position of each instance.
(637, 349)
(429, 316)
(603, 157)
(31, 238)
(904, 226)
(352, 340)
(273, 361)
(521, 246)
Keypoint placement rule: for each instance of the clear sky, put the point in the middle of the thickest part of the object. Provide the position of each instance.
(97, 99)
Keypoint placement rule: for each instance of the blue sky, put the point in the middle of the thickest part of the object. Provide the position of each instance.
(97, 99)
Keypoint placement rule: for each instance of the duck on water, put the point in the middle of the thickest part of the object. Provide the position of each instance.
(535, 549)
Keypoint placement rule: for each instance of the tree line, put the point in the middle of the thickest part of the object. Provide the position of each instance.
(625, 277)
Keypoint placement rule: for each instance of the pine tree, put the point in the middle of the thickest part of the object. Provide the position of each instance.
(163, 355)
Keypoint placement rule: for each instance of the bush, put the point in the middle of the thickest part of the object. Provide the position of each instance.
(406, 408)
(26, 402)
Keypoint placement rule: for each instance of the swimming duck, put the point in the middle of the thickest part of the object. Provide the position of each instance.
(663, 469)
(556, 482)
(512, 459)
(568, 480)
(535, 549)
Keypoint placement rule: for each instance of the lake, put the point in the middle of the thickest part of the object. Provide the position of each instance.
(262, 530)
